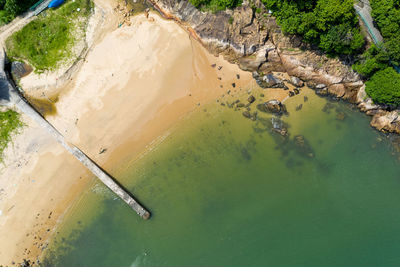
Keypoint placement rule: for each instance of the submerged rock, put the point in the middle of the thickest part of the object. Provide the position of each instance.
(303, 146)
(328, 107)
(272, 106)
(299, 107)
(251, 99)
(279, 126)
(322, 92)
(340, 116)
(246, 114)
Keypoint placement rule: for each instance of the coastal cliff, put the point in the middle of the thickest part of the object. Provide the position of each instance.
(251, 38)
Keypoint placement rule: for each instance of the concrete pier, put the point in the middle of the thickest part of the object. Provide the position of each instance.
(9, 96)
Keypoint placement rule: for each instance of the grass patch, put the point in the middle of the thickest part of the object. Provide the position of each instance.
(215, 5)
(48, 41)
(9, 124)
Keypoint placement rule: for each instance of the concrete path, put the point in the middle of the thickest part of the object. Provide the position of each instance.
(363, 10)
(12, 98)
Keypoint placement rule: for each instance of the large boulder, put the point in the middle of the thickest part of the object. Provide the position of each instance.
(254, 61)
(251, 99)
(279, 126)
(386, 121)
(20, 69)
(272, 106)
(296, 81)
(268, 81)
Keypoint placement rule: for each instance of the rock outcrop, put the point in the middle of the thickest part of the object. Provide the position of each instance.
(20, 69)
(255, 42)
(272, 106)
(268, 81)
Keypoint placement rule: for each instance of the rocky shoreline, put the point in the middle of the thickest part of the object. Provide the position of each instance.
(255, 42)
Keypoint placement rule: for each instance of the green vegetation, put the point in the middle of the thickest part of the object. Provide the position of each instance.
(9, 9)
(384, 87)
(387, 15)
(378, 61)
(331, 25)
(9, 124)
(48, 40)
(215, 5)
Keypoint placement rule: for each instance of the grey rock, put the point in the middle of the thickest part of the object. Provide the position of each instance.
(268, 81)
(20, 69)
(279, 127)
(303, 146)
(251, 99)
(322, 92)
(296, 81)
(272, 106)
(246, 114)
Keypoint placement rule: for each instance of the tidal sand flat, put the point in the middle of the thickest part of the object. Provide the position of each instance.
(228, 191)
(135, 83)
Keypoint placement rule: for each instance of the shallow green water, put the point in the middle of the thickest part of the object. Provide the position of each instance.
(226, 191)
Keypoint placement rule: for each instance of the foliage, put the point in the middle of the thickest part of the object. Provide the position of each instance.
(9, 124)
(48, 40)
(384, 87)
(330, 24)
(9, 9)
(386, 13)
(215, 5)
(374, 59)
(376, 63)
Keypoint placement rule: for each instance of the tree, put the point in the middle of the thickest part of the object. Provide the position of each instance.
(11, 7)
(374, 59)
(330, 24)
(384, 87)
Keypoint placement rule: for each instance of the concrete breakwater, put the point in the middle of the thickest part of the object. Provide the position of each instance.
(10, 97)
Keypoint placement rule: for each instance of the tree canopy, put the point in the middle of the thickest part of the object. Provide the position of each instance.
(330, 24)
(9, 9)
(384, 87)
(215, 5)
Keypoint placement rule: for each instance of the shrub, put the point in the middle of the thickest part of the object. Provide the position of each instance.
(215, 5)
(372, 60)
(330, 24)
(11, 8)
(384, 87)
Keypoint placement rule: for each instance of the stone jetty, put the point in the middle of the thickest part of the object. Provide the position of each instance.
(9, 96)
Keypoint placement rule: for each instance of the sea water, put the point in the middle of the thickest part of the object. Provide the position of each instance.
(224, 190)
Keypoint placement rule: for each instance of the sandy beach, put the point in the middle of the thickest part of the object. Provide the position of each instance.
(135, 83)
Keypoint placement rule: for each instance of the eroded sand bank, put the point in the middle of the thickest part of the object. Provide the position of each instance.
(135, 84)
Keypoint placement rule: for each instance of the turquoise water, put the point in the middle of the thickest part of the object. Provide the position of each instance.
(226, 191)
